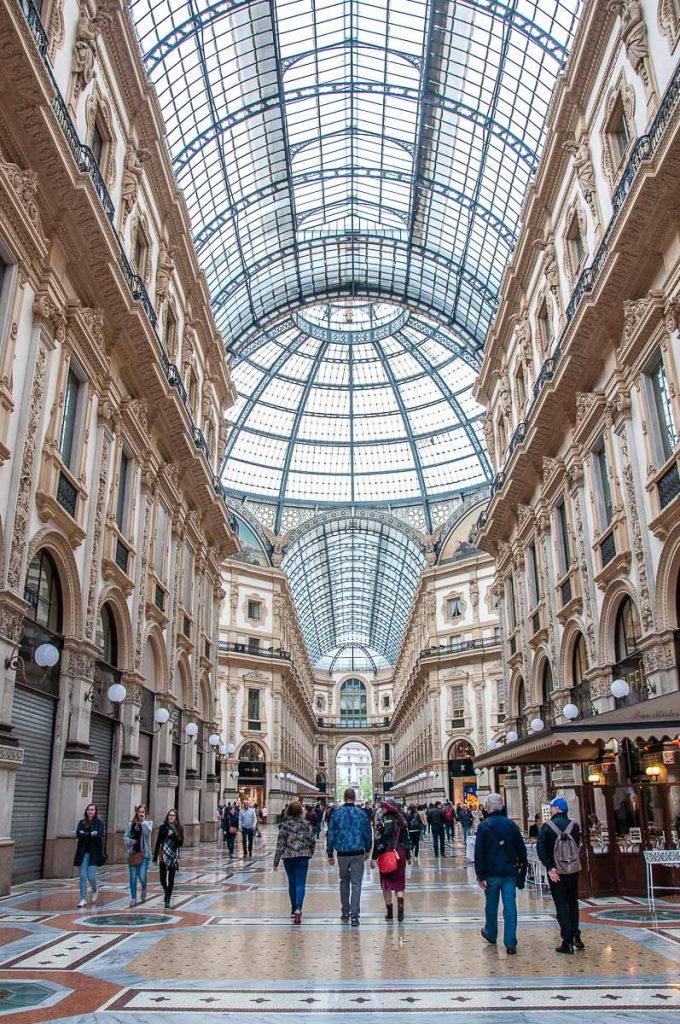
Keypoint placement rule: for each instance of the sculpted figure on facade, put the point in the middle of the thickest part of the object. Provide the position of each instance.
(164, 270)
(585, 173)
(135, 158)
(505, 394)
(634, 34)
(91, 20)
(487, 427)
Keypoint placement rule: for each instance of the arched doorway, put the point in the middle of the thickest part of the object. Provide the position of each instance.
(104, 715)
(354, 768)
(252, 774)
(462, 778)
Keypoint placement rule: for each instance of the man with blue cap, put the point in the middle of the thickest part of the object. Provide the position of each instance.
(557, 847)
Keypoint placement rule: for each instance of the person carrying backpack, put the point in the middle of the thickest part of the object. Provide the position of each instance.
(558, 849)
(449, 820)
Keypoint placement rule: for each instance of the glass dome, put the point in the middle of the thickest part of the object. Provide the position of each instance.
(355, 403)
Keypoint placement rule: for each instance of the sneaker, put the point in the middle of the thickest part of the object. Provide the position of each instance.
(133, 903)
(492, 942)
(297, 917)
(354, 921)
(578, 944)
(94, 896)
(82, 903)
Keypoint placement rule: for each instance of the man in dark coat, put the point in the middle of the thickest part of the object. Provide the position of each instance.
(499, 851)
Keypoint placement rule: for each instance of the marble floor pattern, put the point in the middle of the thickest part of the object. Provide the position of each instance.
(226, 951)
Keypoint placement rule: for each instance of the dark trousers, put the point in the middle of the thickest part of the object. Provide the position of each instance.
(438, 840)
(450, 830)
(231, 841)
(296, 870)
(415, 841)
(167, 879)
(247, 836)
(565, 895)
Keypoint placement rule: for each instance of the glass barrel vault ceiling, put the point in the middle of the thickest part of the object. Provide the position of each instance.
(357, 147)
(354, 403)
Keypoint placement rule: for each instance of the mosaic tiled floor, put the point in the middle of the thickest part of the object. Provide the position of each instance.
(227, 948)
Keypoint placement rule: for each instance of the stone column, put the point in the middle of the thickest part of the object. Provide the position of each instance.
(513, 799)
(211, 788)
(131, 774)
(12, 611)
(191, 784)
(535, 791)
(167, 781)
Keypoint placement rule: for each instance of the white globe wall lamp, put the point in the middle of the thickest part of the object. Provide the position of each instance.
(537, 724)
(512, 736)
(619, 689)
(570, 712)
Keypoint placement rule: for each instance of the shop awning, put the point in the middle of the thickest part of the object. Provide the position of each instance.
(654, 720)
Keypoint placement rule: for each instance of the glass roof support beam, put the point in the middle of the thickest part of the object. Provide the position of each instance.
(452, 400)
(493, 104)
(261, 106)
(434, 16)
(269, 190)
(253, 400)
(214, 12)
(280, 88)
(299, 413)
(374, 604)
(205, 75)
(407, 427)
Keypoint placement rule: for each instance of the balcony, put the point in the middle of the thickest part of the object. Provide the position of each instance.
(369, 722)
(226, 647)
(460, 646)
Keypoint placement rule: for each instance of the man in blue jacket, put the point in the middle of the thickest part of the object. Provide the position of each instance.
(350, 835)
(499, 850)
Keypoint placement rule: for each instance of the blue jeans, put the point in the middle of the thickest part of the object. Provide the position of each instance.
(504, 888)
(296, 869)
(88, 873)
(139, 871)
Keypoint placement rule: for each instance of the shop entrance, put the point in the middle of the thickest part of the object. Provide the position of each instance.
(462, 778)
(252, 774)
(619, 823)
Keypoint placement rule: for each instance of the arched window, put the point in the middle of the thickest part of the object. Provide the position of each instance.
(521, 698)
(627, 630)
(460, 750)
(547, 683)
(107, 638)
(353, 702)
(579, 663)
(43, 592)
(251, 752)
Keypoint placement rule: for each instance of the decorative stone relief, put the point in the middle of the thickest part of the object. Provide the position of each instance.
(97, 537)
(579, 151)
(142, 584)
(582, 561)
(91, 20)
(22, 511)
(487, 427)
(645, 603)
(634, 35)
(624, 92)
(55, 28)
(25, 185)
(669, 21)
(164, 270)
(135, 158)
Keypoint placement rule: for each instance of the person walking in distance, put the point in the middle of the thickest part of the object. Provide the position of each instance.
(435, 818)
(415, 829)
(89, 851)
(466, 820)
(137, 841)
(166, 854)
(230, 819)
(557, 847)
(247, 822)
(392, 852)
(350, 835)
(295, 845)
(449, 821)
(500, 865)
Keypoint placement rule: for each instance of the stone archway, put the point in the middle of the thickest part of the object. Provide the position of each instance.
(354, 767)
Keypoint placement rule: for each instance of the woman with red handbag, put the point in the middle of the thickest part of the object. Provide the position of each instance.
(392, 852)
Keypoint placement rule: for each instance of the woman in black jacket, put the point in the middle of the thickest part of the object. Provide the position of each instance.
(89, 851)
(166, 854)
(230, 826)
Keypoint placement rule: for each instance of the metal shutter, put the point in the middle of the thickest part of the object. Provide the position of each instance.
(101, 741)
(33, 721)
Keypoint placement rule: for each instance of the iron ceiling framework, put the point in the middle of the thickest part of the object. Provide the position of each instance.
(358, 148)
(353, 581)
(355, 404)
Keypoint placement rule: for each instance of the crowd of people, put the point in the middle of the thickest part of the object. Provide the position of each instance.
(385, 833)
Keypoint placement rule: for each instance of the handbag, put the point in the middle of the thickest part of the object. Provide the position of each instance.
(135, 859)
(233, 830)
(388, 862)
